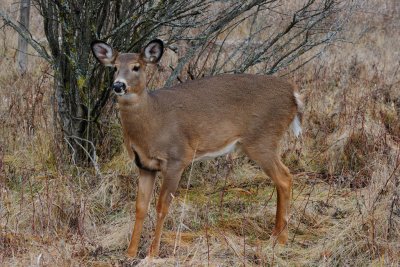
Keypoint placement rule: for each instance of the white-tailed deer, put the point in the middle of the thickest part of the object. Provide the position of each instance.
(166, 129)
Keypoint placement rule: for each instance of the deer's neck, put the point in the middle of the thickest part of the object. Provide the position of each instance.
(132, 100)
(135, 114)
(133, 106)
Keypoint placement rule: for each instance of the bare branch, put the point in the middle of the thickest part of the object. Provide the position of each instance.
(24, 33)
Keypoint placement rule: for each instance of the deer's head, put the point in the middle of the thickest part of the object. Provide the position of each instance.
(130, 74)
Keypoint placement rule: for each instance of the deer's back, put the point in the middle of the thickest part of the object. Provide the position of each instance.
(237, 96)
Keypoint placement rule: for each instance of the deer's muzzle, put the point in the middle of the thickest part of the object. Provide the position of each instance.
(119, 87)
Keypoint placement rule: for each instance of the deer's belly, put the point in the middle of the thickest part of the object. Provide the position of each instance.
(219, 152)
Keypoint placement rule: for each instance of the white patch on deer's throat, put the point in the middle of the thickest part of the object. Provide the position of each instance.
(225, 150)
(129, 97)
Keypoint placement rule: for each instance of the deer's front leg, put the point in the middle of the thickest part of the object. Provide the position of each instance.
(145, 190)
(171, 177)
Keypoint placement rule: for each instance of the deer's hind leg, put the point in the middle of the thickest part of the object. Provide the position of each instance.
(266, 154)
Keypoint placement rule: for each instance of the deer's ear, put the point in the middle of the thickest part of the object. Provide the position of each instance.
(153, 51)
(104, 53)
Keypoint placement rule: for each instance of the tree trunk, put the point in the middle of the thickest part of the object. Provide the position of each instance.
(22, 58)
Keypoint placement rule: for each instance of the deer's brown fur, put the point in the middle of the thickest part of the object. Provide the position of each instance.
(166, 129)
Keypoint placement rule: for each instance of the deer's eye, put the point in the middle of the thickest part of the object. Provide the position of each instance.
(136, 68)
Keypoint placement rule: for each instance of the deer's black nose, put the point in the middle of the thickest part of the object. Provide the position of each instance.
(118, 87)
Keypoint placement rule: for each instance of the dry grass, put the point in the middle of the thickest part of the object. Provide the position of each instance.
(345, 209)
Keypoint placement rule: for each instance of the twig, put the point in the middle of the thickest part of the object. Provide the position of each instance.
(92, 158)
(178, 235)
(378, 197)
(24, 33)
(244, 240)
(225, 182)
(33, 204)
(304, 211)
(208, 243)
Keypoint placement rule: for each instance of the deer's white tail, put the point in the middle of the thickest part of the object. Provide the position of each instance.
(296, 123)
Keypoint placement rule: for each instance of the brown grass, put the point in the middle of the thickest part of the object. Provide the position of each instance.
(345, 209)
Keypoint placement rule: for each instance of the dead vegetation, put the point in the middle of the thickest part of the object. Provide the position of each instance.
(346, 203)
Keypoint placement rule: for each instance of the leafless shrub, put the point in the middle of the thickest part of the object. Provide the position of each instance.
(203, 34)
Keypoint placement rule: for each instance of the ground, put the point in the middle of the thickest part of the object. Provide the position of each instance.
(345, 201)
